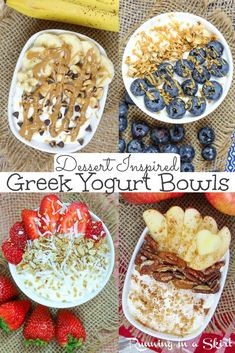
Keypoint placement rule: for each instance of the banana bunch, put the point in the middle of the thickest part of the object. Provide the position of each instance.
(100, 14)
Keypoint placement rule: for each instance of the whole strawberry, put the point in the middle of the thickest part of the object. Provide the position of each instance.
(12, 252)
(18, 235)
(7, 289)
(70, 332)
(12, 314)
(39, 328)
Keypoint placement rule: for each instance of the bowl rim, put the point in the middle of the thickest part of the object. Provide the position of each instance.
(226, 86)
(54, 304)
(157, 334)
(73, 147)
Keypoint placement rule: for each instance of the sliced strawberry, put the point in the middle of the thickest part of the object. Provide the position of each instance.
(95, 231)
(74, 219)
(49, 212)
(30, 219)
(18, 235)
(12, 252)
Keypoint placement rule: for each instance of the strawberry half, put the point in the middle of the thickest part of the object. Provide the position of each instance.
(18, 235)
(7, 289)
(12, 314)
(39, 328)
(12, 252)
(49, 212)
(29, 218)
(95, 231)
(76, 216)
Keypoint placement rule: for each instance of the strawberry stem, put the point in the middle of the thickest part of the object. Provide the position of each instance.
(73, 343)
(37, 342)
(4, 326)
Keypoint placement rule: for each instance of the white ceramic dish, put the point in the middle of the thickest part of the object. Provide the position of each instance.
(157, 334)
(56, 304)
(162, 20)
(94, 122)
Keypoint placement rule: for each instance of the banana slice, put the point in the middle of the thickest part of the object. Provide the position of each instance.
(76, 46)
(29, 63)
(106, 72)
(86, 45)
(48, 40)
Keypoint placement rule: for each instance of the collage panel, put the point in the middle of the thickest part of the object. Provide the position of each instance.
(58, 273)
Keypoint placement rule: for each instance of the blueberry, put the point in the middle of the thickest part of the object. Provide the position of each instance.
(153, 80)
(219, 67)
(172, 87)
(212, 90)
(177, 133)
(215, 49)
(197, 106)
(189, 87)
(176, 108)
(122, 145)
(139, 87)
(209, 153)
(187, 153)
(123, 109)
(184, 67)
(135, 146)
(206, 135)
(139, 129)
(170, 149)
(186, 167)
(197, 55)
(122, 123)
(160, 136)
(128, 99)
(151, 149)
(201, 74)
(165, 69)
(153, 100)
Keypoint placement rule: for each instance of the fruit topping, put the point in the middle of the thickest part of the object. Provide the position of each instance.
(49, 214)
(75, 219)
(214, 49)
(184, 67)
(31, 221)
(196, 106)
(212, 90)
(153, 100)
(139, 87)
(189, 87)
(12, 252)
(95, 231)
(176, 108)
(18, 235)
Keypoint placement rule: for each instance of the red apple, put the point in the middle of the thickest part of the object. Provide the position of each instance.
(222, 201)
(139, 198)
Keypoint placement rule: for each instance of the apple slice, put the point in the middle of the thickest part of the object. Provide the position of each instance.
(207, 242)
(192, 221)
(210, 224)
(225, 237)
(156, 224)
(175, 223)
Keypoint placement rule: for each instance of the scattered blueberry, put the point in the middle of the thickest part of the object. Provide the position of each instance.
(201, 74)
(123, 109)
(153, 80)
(197, 55)
(189, 87)
(172, 87)
(186, 167)
(187, 153)
(197, 106)
(139, 129)
(122, 145)
(212, 90)
(153, 100)
(177, 133)
(128, 99)
(165, 69)
(170, 149)
(219, 67)
(176, 108)
(122, 123)
(138, 87)
(209, 153)
(151, 149)
(160, 136)
(135, 146)
(206, 135)
(184, 67)
(215, 49)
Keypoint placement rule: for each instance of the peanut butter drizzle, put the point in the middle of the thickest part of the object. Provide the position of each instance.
(61, 87)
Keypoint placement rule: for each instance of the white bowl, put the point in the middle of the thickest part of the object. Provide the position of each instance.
(163, 19)
(56, 304)
(94, 122)
(161, 335)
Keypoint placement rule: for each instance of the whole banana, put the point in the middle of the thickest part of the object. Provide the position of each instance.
(71, 11)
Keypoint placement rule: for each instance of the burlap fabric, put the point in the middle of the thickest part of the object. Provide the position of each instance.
(132, 226)
(15, 30)
(218, 12)
(100, 315)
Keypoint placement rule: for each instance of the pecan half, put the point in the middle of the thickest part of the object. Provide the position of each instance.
(139, 259)
(163, 276)
(213, 276)
(172, 259)
(216, 266)
(183, 284)
(204, 289)
(148, 254)
(194, 275)
(215, 286)
(179, 275)
(151, 242)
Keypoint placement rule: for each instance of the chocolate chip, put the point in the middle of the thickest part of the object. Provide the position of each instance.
(60, 144)
(77, 117)
(47, 102)
(52, 143)
(50, 80)
(47, 122)
(81, 141)
(74, 76)
(16, 114)
(66, 111)
(88, 128)
(31, 119)
(20, 123)
(77, 108)
(59, 116)
(69, 73)
(41, 132)
(41, 96)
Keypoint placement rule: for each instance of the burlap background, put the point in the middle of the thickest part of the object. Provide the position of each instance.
(132, 226)
(100, 315)
(218, 12)
(15, 30)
